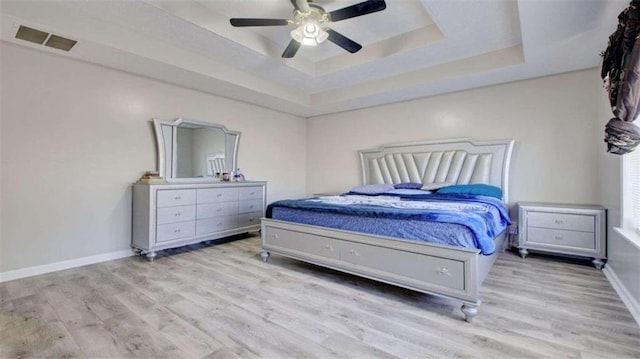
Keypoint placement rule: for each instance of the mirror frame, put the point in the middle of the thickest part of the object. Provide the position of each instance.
(166, 142)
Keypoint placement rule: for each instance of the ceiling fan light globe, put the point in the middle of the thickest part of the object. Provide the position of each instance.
(322, 35)
(309, 41)
(298, 34)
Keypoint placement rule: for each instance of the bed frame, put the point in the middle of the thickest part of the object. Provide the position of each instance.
(447, 271)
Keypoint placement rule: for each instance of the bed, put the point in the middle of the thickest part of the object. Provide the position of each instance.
(433, 267)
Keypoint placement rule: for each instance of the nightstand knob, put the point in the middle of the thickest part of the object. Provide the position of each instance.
(443, 271)
(559, 221)
(558, 238)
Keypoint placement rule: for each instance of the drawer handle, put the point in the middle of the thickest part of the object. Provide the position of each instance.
(219, 195)
(251, 206)
(275, 236)
(250, 219)
(219, 224)
(329, 247)
(354, 252)
(176, 231)
(219, 210)
(178, 198)
(443, 271)
(178, 214)
(252, 193)
(558, 238)
(559, 221)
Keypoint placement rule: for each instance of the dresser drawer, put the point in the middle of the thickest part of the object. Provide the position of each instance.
(246, 193)
(216, 224)
(558, 237)
(250, 206)
(176, 214)
(171, 231)
(176, 197)
(249, 219)
(210, 195)
(573, 222)
(216, 209)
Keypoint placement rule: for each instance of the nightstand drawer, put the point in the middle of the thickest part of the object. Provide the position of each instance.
(572, 222)
(557, 237)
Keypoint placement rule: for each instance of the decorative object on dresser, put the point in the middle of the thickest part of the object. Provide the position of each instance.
(151, 177)
(194, 204)
(575, 230)
(449, 271)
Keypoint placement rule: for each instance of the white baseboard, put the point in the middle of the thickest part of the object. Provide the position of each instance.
(53, 267)
(632, 304)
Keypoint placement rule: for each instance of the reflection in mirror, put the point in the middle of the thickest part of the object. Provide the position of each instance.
(195, 146)
(194, 151)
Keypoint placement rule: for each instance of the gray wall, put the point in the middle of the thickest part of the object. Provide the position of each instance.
(552, 120)
(75, 136)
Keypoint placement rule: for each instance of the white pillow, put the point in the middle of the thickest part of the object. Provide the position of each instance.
(373, 189)
(436, 185)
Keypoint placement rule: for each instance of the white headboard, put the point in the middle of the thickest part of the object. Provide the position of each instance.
(460, 161)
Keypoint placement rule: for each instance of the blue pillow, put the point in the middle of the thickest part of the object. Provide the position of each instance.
(408, 185)
(476, 189)
(379, 188)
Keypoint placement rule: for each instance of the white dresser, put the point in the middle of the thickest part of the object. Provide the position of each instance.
(172, 215)
(578, 230)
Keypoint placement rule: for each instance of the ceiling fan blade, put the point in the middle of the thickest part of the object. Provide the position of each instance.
(363, 8)
(291, 49)
(301, 5)
(258, 22)
(343, 41)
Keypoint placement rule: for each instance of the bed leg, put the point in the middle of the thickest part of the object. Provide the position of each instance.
(598, 263)
(151, 256)
(265, 256)
(523, 252)
(469, 311)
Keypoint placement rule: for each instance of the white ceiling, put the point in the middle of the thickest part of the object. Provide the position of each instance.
(413, 49)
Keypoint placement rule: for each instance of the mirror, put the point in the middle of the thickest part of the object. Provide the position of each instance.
(194, 151)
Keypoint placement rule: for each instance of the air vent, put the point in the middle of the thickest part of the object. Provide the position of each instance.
(59, 42)
(31, 35)
(39, 37)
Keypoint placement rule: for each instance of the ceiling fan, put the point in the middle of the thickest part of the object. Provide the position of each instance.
(308, 17)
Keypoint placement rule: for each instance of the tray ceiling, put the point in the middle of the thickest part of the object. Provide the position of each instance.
(410, 50)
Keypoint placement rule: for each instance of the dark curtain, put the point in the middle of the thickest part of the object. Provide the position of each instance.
(621, 74)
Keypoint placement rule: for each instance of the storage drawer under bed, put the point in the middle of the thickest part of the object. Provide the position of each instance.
(413, 269)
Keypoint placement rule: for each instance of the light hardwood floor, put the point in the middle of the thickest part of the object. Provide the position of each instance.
(222, 301)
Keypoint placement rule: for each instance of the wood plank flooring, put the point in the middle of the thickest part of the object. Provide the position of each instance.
(222, 301)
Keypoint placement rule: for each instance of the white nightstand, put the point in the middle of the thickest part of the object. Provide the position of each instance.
(578, 230)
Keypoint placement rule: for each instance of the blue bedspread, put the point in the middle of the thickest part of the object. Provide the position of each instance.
(484, 217)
